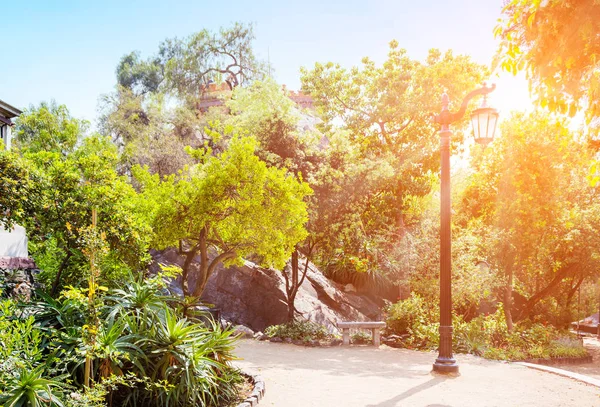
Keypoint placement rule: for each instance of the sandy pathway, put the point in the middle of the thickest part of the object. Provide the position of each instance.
(366, 377)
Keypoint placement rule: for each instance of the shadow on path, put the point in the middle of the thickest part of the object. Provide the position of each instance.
(393, 402)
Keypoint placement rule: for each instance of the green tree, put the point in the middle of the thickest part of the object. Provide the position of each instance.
(530, 193)
(15, 187)
(64, 175)
(206, 57)
(140, 76)
(386, 111)
(48, 127)
(388, 108)
(153, 112)
(67, 188)
(329, 162)
(232, 204)
(149, 132)
(188, 65)
(264, 110)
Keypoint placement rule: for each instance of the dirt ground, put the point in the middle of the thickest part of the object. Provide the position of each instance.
(362, 376)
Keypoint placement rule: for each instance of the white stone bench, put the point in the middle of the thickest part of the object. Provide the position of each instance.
(373, 326)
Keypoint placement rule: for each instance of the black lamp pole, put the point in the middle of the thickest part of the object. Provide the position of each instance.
(445, 362)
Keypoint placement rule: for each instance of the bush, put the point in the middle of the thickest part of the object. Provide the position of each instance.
(299, 331)
(485, 335)
(405, 316)
(361, 338)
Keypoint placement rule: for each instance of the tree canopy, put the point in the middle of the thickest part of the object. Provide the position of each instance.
(232, 203)
(48, 127)
(188, 65)
(556, 43)
(537, 211)
(61, 174)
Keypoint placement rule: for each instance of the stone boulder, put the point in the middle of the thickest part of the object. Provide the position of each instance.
(255, 297)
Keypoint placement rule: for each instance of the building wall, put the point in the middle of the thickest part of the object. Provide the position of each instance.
(5, 133)
(13, 243)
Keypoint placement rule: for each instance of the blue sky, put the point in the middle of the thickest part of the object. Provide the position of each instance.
(67, 50)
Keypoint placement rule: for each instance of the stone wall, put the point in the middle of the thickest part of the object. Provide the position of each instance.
(17, 277)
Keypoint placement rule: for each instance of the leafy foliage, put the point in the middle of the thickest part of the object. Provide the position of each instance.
(555, 43)
(14, 182)
(206, 57)
(163, 358)
(231, 202)
(299, 330)
(48, 127)
(383, 165)
(188, 65)
(486, 335)
(150, 132)
(531, 197)
(66, 190)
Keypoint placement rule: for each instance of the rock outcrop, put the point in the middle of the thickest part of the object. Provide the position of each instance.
(253, 296)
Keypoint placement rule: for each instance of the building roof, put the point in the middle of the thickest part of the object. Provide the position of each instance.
(8, 111)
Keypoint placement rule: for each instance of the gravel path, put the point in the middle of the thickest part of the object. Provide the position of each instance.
(296, 376)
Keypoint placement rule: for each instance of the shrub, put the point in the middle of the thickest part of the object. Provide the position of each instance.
(29, 387)
(405, 316)
(299, 330)
(166, 358)
(485, 335)
(361, 337)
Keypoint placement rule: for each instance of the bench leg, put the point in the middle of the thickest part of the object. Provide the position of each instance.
(376, 337)
(346, 337)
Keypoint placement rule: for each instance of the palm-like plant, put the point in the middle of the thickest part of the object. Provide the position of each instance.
(30, 389)
(192, 360)
(144, 338)
(52, 313)
(139, 299)
(115, 348)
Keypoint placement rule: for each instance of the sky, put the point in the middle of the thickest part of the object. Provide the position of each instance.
(67, 50)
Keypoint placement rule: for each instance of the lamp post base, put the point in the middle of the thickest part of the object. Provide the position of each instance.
(445, 365)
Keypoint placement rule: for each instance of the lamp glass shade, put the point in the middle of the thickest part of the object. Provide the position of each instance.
(484, 121)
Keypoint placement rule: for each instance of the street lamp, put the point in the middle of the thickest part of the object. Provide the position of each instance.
(484, 122)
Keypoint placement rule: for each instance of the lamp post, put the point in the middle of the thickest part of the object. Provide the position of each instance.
(484, 122)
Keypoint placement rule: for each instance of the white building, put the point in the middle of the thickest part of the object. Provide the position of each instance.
(13, 243)
(7, 112)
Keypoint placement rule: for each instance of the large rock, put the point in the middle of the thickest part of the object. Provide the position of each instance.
(255, 297)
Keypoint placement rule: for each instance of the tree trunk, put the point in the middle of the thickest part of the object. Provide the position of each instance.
(295, 281)
(293, 287)
(558, 278)
(185, 270)
(508, 300)
(572, 292)
(208, 268)
(61, 268)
